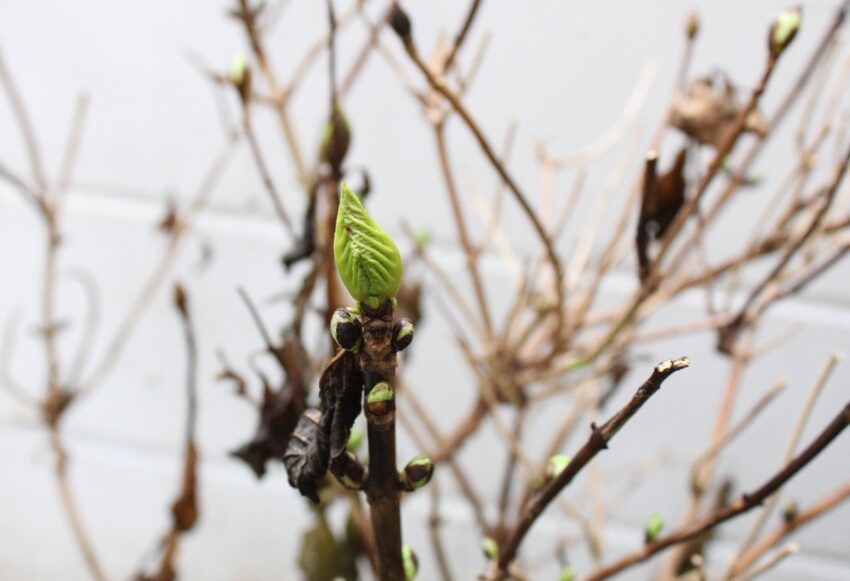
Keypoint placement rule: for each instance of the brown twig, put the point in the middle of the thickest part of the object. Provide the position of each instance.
(745, 503)
(598, 441)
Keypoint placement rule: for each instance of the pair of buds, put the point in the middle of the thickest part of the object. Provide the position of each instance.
(347, 331)
(352, 474)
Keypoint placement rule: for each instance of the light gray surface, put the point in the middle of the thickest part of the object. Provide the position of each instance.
(562, 70)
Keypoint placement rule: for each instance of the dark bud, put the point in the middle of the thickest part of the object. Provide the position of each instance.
(400, 24)
(417, 473)
(346, 329)
(352, 474)
(180, 300)
(381, 399)
(402, 334)
(336, 139)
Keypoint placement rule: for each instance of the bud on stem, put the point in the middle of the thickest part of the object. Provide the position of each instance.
(556, 465)
(352, 474)
(400, 23)
(411, 562)
(490, 548)
(417, 473)
(346, 329)
(381, 399)
(653, 529)
(784, 30)
(402, 334)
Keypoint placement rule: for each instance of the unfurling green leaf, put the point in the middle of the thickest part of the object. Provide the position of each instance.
(367, 259)
(567, 574)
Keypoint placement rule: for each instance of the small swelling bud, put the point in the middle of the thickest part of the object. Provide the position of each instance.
(784, 29)
(692, 26)
(490, 548)
(335, 139)
(789, 511)
(240, 76)
(556, 465)
(417, 473)
(400, 23)
(567, 574)
(410, 561)
(380, 400)
(653, 528)
(353, 474)
(355, 440)
(346, 329)
(402, 334)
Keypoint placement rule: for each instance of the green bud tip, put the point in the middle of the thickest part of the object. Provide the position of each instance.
(653, 527)
(567, 574)
(784, 29)
(556, 465)
(381, 392)
(238, 69)
(789, 511)
(367, 259)
(355, 439)
(490, 548)
(411, 564)
(423, 238)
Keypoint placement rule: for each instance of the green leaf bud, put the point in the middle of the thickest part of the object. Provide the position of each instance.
(240, 76)
(653, 527)
(784, 30)
(411, 562)
(367, 259)
(490, 548)
(556, 465)
(567, 574)
(355, 439)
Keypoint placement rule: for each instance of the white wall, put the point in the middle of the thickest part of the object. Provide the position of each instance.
(561, 70)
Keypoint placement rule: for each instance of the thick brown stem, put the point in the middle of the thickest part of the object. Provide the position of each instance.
(378, 361)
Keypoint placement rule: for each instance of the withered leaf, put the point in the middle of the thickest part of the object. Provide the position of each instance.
(306, 457)
(340, 390)
(321, 437)
(280, 409)
(709, 108)
(663, 197)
